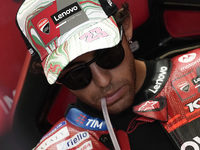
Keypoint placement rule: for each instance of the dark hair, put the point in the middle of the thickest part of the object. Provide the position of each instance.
(36, 67)
(119, 17)
(122, 14)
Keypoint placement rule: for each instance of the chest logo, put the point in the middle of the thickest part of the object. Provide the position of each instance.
(187, 58)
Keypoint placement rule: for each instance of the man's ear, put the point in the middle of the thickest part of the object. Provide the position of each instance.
(128, 28)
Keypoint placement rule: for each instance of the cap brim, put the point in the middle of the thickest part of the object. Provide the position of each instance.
(104, 34)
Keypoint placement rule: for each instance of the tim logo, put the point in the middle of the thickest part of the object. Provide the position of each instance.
(81, 119)
(187, 58)
(93, 123)
(44, 25)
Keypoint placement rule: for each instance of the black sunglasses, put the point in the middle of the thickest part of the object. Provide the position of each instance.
(81, 76)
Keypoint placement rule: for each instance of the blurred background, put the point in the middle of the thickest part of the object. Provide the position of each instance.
(13, 54)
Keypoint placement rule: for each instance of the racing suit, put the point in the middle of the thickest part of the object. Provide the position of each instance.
(165, 114)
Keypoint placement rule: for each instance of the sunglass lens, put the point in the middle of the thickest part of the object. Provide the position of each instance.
(111, 58)
(78, 78)
(81, 76)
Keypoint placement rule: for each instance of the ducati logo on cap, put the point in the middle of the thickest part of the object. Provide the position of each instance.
(44, 25)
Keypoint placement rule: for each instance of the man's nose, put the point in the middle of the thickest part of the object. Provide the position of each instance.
(101, 77)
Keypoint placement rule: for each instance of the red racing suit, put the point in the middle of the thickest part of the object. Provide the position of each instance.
(173, 98)
(79, 131)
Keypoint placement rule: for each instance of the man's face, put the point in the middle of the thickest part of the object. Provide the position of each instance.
(117, 85)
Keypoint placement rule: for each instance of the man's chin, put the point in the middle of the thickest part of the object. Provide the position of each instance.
(119, 107)
(116, 111)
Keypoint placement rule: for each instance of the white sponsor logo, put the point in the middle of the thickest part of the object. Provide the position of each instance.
(86, 146)
(65, 13)
(61, 134)
(193, 144)
(159, 81)
(196, 80)
(149, 105)
(187, 58)
(190, 65)
(74, 141)
(194, 105)
(60, 125)
(94, 124)
(110, 2)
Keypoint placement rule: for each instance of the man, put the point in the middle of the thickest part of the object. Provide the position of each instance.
(85, 45)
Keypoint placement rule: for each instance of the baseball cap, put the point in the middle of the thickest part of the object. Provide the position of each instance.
(61, 30)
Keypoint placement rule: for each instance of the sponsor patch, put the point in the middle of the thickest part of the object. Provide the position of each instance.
(59, 135)
(73, 141)
(190, 65)
(44, 25)
(65, 13)
(163, 69)
(188, 61)
(86, 146)
(69, 14)
(187, 58)
(195, 105)
(184, 86)
(149, 105)
(45, 28)
(159, 80)
(155, 108)
(85, 121)
(196, 80)
(56, 128)
(194, 144)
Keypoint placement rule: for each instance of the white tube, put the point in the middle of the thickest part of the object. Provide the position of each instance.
(109, 125)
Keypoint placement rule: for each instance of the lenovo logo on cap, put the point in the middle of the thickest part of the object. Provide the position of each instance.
(65, 13)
